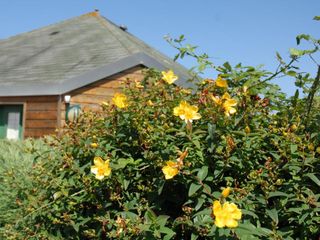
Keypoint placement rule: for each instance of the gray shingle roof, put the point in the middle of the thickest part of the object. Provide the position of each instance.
(61, 57)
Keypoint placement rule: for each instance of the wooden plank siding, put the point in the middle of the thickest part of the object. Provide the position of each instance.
(43, 115)
(91, 96)
(39, 114)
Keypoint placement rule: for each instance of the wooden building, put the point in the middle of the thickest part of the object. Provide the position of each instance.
(84, 58)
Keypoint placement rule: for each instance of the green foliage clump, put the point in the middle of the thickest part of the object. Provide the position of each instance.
(168, 171)
(16, 165)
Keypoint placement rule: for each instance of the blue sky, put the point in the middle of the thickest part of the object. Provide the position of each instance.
(247, 31)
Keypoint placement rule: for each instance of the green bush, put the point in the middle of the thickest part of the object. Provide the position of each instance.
(141, 169)
(16, 165)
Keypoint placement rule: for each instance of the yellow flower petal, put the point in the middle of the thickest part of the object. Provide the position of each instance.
(186, 112)
(226, 215)
(221, 82)
(94, 145)
(231, 223)
(170, 170)
(150, 103)
(98, 161)
(216, 207)
(226, 96)
(138, 84)
(230, 102)
(94, 169)
(100, 168)
(99, 176)
(220, 222)
(169, 76)
(120, 100)
(216, 99)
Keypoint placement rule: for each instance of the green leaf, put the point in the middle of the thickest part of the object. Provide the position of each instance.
(196, 143)
(277, 194)
(125, 184)
(317, 18)
(206, 211)
(150, 216)
(122, 163)
(251, 213)
(302, 36)
(200, 202)
(167, 231)
(296, 52)
(314, 178)
(291, 73)
(293, 148)
(202, 174)
(303, 217)
(247, 231)
(279, 58)
(129, 215)
(227, 66)
(194, 236)
(273, 214)
(162, 220)
(169, 235)
(193, 188)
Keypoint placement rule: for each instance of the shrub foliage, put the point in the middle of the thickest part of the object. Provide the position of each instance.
(233, 159)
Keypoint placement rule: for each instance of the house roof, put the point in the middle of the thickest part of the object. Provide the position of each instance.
(59, 58)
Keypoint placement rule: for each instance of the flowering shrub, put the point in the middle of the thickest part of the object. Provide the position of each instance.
(233, 160)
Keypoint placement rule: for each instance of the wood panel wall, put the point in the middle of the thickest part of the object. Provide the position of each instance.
(91, 96)
(44, 114)
(39, 114)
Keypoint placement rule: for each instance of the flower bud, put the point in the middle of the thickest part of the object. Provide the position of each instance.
(225, 193)
(94, 145)
(293, 127)
(311, 147)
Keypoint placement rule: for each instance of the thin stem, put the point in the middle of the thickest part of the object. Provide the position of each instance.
(312, 58)
(47, 205)
(311, 95)
(275, 74)
(206, 189)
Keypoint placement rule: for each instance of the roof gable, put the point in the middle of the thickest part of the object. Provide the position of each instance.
(73, 53)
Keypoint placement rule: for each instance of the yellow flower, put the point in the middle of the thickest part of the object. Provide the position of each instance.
(245, 89)
(217, 100)
(228, 107)
(186, 91)
(226, 215)
(220, 82)
(186, 112)
(94, 145)
(170, 170)
(120, 100)
(105, 104)
(101, 168)
(138, 84)
(225, 193)
(227, 103)
(150, 103)
(169, 76)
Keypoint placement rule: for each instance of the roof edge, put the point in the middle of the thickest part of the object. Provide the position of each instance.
(90, 77)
